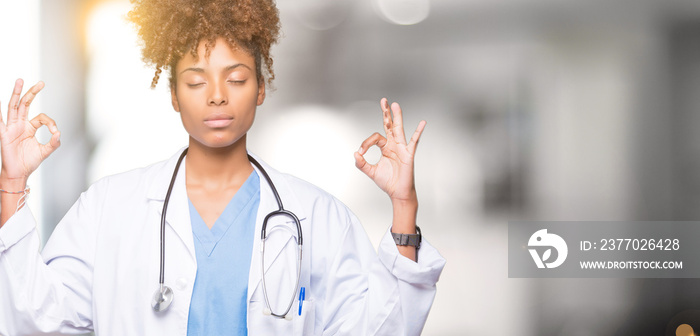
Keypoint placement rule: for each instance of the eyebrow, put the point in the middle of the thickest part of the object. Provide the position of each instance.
(228, 68)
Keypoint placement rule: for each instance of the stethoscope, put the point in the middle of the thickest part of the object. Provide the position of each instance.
(163, 296)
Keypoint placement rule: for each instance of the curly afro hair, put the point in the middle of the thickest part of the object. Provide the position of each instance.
(170, 28)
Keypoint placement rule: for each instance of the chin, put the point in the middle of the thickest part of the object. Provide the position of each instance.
(220, 142)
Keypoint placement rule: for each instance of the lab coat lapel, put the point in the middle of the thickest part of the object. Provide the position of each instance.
(178, 212)
(273, 247)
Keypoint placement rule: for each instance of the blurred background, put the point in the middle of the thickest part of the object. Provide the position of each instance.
(536, 110)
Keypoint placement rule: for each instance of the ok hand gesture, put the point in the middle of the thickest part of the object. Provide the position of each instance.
(394, 171)
(21, 151)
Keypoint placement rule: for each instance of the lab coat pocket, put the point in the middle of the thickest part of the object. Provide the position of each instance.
(261, 324)
(304, 323)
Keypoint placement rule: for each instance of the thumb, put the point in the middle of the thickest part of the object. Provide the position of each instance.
(52, 145)
(363, 165)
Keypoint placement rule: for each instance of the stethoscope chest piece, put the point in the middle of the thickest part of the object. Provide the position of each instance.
(162, 298)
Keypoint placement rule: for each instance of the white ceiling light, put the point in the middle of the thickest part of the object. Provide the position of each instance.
(403, 12)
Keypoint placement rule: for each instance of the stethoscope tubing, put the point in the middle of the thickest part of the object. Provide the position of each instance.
(163, 296)
(162, 217)
(281, 211)
(263, 237)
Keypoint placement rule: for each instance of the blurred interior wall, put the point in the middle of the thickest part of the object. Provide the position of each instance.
(63, 65)
(668, 174)
(684, 47)
(584, 99)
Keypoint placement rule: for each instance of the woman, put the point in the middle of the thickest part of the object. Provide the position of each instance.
(100, 266)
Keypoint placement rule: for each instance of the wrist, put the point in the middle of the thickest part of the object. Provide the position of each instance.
(13, 184)
(410, 201)
(405, 212)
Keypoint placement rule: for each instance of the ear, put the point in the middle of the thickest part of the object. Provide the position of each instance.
(261, 92)
(173, 99)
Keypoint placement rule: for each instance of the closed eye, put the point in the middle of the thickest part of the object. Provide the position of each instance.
(194, 84)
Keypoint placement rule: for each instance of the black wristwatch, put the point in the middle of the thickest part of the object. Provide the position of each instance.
(403, 239)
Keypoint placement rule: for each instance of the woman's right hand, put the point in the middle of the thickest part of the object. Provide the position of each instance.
(21, 150)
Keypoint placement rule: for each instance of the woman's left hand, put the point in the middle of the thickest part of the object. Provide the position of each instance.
(394, 171)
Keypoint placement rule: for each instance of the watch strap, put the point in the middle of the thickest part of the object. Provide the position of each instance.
(404, 239)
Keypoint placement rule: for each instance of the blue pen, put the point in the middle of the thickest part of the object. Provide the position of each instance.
(302, 296)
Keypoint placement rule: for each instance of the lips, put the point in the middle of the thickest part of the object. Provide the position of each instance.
(218, 120)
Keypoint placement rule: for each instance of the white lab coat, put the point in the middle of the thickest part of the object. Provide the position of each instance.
(100, 267)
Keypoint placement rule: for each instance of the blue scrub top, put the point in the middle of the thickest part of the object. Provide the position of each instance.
(220, 295)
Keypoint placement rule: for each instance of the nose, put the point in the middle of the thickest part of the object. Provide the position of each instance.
(217, 95)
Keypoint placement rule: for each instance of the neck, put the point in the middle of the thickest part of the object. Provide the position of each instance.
(217, 168)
